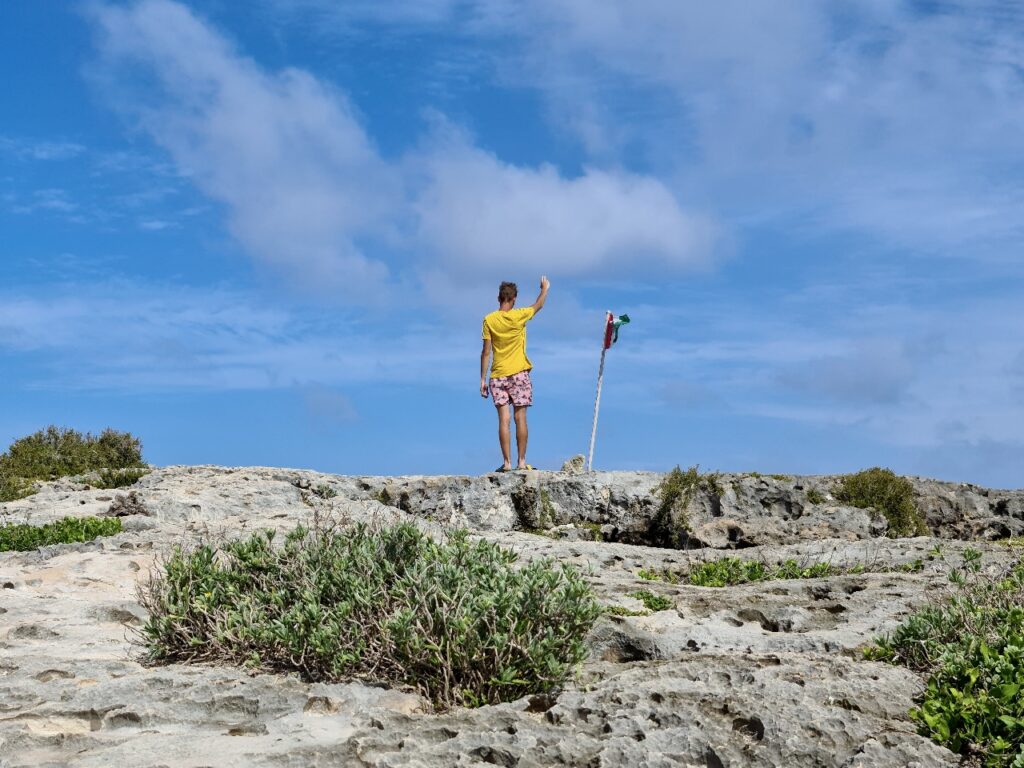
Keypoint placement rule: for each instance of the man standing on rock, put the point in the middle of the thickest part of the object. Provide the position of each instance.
(504, 334)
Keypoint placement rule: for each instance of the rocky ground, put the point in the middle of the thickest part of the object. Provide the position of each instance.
(765, 674)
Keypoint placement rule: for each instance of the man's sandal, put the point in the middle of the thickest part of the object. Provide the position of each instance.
(524, 469)
(503, 469)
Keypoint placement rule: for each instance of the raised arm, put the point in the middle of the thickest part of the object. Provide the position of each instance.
(538, 305)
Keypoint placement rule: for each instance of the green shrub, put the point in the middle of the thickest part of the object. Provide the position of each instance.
(325, 491)
(13, 488)
(971, 643)
(814, 496)
(657, 576)
(456, 620)
(727, 571)
(22, 537)
(887, 494)
(618, 610)
(730, 571)
(57, 452)
(670, 525)
(651, 601)
(119, 478)
(547, 510)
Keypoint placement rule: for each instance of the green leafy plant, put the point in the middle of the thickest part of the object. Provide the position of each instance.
(814, 496)
(13, 488)
(914, 566)
(618, 610)
(732, 571)
(547, 510)
(887, 494)
(458, 620)
(119, 478)
(651, 601)
(21, 537)
(970, 642)
(727, 571)
(325, 491)
(670, 525)
(383, 497)
(57, 452)
(665, 575)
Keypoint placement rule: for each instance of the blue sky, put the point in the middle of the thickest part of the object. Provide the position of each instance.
(265, 233)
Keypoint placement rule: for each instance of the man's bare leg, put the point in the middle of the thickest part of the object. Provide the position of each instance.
(504, 435)
(522, 434)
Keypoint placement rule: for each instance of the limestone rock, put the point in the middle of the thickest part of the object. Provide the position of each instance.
(762, 674)
(124, 505)
(575, 465)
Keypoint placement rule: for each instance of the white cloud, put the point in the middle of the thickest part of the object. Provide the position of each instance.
(285, 153)
(138, 337)
(306, 190)
(29, 149)
(51, 199)
(485, 216)
(883, 118)
(890, 118)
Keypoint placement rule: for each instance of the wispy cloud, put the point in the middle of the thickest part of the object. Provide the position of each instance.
(34, 149)
(284, 152)
(892, 119)
(482, 215)
(933, 370)
(124, 336)
(50, 199)
(307, 191)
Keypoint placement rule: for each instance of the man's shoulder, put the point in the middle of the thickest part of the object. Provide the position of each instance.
(506, 315)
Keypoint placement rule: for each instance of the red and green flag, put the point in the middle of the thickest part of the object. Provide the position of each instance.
(611, 329)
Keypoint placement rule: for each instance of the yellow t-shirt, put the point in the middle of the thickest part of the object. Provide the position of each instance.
(507, 332)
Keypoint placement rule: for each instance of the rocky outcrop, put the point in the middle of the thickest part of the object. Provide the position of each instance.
(762, 674)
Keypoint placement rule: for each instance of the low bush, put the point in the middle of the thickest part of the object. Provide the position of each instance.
(888, 495)
(970, 642)
(13, 488)
(731, 571)
(651, 601)
(119, 478)
(325, 491)
(56, 452)
(618, 610)
(456, 620)
(22, 537)
(670, 525)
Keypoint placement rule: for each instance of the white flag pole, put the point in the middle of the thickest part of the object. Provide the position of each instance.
(597, 400)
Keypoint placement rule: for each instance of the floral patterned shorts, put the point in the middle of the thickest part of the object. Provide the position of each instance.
(516, 388)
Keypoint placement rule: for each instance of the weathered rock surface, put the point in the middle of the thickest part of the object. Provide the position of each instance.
(764, 674)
